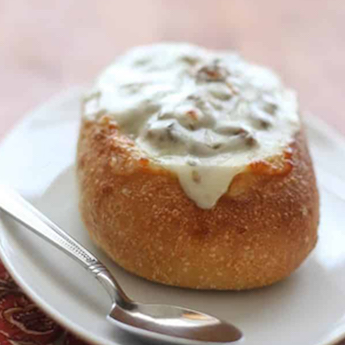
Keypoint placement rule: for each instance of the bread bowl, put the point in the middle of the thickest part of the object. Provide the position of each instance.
(194, 170)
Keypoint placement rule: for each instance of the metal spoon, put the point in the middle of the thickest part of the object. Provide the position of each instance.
(162, 323)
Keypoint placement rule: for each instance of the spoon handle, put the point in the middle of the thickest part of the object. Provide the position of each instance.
(23, 212)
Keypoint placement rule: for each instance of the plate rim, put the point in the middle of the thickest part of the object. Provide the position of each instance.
(74, 329)
(45, 307)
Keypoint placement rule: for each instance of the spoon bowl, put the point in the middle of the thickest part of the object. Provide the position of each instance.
(172, 324)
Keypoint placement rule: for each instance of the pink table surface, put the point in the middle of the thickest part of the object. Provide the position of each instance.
(47, 46)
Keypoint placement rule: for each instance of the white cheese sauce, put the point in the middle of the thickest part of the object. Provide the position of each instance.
(203, 114)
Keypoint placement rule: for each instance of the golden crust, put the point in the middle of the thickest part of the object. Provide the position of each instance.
(258, 233)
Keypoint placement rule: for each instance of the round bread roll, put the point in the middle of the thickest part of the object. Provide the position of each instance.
(194, 171)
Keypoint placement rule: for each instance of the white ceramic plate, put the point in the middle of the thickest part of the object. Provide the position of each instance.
(37, 158)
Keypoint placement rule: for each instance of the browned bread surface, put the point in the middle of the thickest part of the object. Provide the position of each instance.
(257, 234)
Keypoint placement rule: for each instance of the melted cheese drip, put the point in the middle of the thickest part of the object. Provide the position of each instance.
(205, 115)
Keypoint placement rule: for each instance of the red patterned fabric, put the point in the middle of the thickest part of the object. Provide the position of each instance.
(21, 322)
